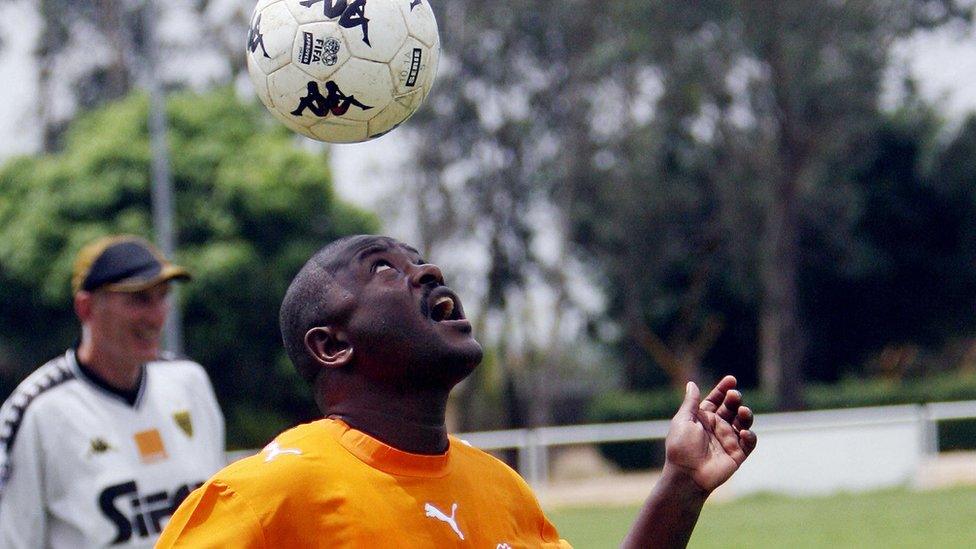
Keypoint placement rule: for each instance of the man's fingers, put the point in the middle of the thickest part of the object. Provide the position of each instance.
(730, 406)
(689, 406)
(729, 440)
(747, 441)
(717, 395)
(743, 419)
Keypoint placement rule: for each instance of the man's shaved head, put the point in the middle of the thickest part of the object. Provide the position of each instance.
(313, 298)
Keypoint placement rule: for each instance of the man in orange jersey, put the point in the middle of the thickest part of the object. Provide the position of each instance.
(382, 340)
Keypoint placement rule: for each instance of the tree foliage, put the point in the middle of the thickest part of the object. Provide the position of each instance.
(896, 298)
(94, 52)
(688, 152)
(501, 97)
(250, 209)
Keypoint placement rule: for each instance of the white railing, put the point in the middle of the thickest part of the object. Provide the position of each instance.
(857, 437)
(533, 444)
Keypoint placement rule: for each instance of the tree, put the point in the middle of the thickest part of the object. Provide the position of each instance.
(905, 283)
(251, 208)
(91, 53)
(752, 104)
(502, 99)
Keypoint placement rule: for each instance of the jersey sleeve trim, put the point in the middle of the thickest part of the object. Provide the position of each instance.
(45, 378)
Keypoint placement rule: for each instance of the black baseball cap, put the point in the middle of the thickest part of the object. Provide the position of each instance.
(123, 263)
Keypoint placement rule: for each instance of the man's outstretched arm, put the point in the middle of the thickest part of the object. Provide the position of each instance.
(708, 441)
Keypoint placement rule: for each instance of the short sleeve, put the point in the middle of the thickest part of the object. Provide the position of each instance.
(213, 516)
(22, 509)
(214, 418)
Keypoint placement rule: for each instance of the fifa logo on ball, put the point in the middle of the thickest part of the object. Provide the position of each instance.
(317, 50)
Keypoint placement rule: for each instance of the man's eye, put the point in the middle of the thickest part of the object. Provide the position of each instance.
(381, 266)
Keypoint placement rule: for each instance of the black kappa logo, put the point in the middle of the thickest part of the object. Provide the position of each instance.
(415, 3)
(255, 38)
(317, 50)
(350, 14)
(335, 102)
(414, 67)
(147, 511)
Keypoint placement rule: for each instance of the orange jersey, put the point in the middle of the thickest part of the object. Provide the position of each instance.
(324, 484)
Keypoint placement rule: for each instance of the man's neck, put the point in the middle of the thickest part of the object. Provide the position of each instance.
(117, 374)
(413, 422)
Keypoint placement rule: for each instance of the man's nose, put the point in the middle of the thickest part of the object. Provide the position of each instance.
(428, 273)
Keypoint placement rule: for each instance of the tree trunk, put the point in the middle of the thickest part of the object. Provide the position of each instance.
(781, 342)
(780, 339)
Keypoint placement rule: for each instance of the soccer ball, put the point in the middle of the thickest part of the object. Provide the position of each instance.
(342, 71)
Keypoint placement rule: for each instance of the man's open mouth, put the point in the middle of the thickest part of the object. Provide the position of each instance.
(444, 305)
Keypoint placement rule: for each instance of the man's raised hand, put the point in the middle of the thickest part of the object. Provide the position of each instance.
(709, 439)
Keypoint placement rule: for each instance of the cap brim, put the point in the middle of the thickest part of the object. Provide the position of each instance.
(136, 284)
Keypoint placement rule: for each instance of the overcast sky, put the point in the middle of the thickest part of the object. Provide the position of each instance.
(944, 63)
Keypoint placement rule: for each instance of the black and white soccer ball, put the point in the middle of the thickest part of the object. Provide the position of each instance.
(342, 71)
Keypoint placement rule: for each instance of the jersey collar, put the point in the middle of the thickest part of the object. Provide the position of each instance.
(93, 381)
(386, 458)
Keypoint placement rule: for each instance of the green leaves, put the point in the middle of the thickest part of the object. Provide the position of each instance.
(251, 208)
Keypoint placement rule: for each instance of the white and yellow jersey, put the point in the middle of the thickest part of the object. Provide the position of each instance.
(82, 467)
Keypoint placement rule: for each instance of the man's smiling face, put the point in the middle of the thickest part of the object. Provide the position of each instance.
(128, 325)
(405, 326)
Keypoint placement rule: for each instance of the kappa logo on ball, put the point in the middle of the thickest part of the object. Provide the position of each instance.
(350, 14)
(336, 102)
(255, 38)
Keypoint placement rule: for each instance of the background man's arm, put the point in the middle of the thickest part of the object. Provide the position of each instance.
(708, 441)
(23, 514)
(215, 427)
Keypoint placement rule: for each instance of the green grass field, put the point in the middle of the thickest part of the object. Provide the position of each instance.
(897, 518)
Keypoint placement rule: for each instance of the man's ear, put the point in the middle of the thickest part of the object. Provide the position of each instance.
(83, 305)
(328, 346)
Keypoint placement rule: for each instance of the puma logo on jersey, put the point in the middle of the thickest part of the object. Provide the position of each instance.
(435, 513)
(274, 450)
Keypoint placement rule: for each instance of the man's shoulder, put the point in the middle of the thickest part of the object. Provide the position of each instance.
(33, 398)
(464, 450)
(175, 366)
(37, 387)
(480, 463)
(285, 459)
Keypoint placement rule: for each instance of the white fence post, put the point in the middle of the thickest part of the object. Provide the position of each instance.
(535, 465)
(930, 431)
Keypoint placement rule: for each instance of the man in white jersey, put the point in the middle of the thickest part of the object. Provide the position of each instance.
(99, 445)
